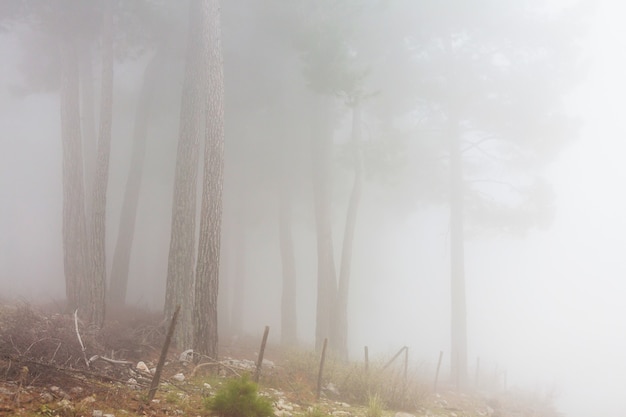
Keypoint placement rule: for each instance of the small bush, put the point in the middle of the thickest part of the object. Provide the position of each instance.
(374, 406)
(239, 398)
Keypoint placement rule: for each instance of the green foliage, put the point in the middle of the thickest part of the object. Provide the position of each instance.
(239, 398)
(374, 406)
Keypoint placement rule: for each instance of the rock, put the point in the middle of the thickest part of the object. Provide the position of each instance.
(344, 405)
(179, 377)
(76, 390)
(186, 356)
(132, 382)
(207, 386)
(46, 397)
(340, 413)
(141, 366)
(97, 413)
(108, 415)
(403, 414)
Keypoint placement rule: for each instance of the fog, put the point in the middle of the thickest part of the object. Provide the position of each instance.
(545, 306)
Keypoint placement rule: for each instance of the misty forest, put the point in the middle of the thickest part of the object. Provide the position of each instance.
(282, 163)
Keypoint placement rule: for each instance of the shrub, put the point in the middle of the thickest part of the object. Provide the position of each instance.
(239, 398)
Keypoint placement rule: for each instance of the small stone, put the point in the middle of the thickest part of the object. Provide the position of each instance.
(403, 414)
(46, 397)
(141, 366)
(97, 413)
(207, 386)
(340, 413)
(179, 377)
(186, 356)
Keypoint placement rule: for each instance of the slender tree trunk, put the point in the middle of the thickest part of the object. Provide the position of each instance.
(289, 320)
(101, 179)
(126, 231)
(207, 271)
(457, 259)
(321, 145)
(74, 227)
(341, 322)
(181, 258)
(239, 277)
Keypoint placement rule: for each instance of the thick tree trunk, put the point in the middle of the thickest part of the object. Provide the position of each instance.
(289, 320)
(321, 146)
(101, 179)
(181, 258)
(205, 333)
(88, 124)
(457, 259)
(126, 232)
(74, 227)
(341, 319)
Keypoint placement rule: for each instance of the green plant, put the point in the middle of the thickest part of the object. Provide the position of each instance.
(374, 406)
(239, 398)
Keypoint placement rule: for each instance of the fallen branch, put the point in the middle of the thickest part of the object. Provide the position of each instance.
(109, 360)
(82, 346)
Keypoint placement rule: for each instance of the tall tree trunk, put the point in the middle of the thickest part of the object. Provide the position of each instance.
(205, 333)
(321, 150)
(181, 258)
(239, 276)
(341, 319)
(457, 259)
(101, 179)
(74, 227)
(88, 124)
(289, 320)
(126, 232)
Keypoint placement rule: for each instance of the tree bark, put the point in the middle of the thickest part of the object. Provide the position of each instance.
(180, 268)
(88, 124)
(321, 147)
(289, 320)
(341, 319)
(239, 275)
(74, 227)
(458, 350)
(207, 271)
(101, 179)
(126, 232)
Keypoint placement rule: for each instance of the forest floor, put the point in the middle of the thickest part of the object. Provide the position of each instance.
(44, 371)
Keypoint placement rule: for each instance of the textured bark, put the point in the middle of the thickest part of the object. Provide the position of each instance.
(98, 230)
(126, 232)
(321, 147)
(207, 270)
(289, 321)
(458, 351)
(88, 124)
(341, 319)
(239, 276)
(180, 268)
(74, 227)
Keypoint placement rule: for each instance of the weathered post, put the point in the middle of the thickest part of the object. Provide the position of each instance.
(319, 374)
(259, 361)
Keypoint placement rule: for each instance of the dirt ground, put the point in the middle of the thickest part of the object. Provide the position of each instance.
(45, 371)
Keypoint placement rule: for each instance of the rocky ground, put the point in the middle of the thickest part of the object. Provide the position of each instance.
(44, 371)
